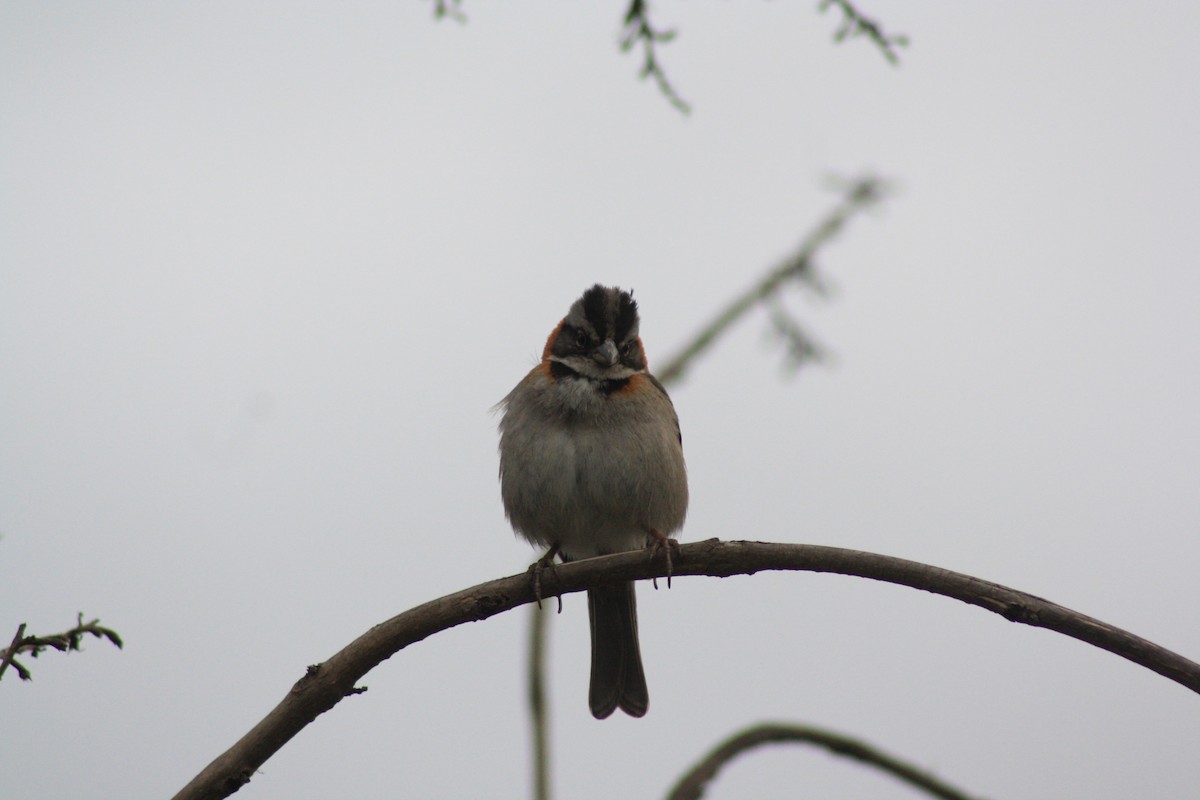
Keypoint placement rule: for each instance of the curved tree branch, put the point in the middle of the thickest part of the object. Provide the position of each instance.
(691, 786)
(326, 684)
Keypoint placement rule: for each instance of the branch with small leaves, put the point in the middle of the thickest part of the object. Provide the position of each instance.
(64, 642)
(855, 24)
(692, 785)
(858, 196)
(639, 29)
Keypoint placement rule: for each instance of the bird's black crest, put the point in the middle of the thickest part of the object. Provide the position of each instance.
(611, 312)
(595, 310)
(627, 316)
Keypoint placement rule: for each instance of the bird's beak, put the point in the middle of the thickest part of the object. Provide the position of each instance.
(606, 354)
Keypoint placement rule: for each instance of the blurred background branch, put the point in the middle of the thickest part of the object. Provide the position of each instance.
(537, 699)
(855, 24)
(639, 29)
(449, 8)
(858, 196)
(694, 782)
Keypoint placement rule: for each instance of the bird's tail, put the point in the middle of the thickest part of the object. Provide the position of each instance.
(618, 680)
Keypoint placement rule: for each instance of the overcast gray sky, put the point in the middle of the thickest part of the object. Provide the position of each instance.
(265, 267)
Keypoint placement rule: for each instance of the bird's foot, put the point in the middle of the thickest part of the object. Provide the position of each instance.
(657, 542)
(540, 566)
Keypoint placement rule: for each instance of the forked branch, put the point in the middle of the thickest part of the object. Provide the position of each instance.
(855, 23)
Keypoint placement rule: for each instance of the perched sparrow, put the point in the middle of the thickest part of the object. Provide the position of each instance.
(591, 463)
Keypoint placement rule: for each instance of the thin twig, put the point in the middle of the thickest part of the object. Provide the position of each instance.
(639, 29)
(324, 685)
(6, 656)
(692, 785)
(859, 196)
(63, 642)
(800, 346)
(855, 24)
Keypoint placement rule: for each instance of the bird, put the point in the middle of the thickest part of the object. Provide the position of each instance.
(591, 463)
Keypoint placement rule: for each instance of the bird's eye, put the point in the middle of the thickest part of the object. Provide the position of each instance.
(628, 347)
(581, 339)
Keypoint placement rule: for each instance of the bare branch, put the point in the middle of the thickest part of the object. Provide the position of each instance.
(855, 24)
(639, 29)
(6, 656)
(860, 195)
(691, 786)
(324, 685)
(63, 642)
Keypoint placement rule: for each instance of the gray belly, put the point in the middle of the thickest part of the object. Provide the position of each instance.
(594, 494)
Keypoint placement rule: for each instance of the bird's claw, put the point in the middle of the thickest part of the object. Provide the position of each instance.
(656, 541)
(539, 566)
